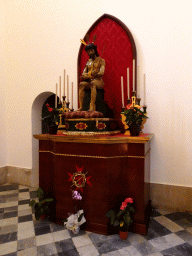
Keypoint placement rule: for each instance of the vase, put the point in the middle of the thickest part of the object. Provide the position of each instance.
(134, 129)
(53, 128)
(123, 234)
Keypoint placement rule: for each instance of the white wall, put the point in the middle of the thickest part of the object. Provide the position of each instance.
(3, 135)
(42, 38)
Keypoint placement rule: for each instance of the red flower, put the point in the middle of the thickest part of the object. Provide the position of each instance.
(123, 206)
(129, 200)
(50, 109)
(129, 106)
(47, 105)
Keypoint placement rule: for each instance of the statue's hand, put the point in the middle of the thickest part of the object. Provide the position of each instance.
(94, 73)
(84, 77)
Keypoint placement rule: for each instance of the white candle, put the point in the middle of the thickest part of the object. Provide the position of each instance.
(60, 88)
(138, 89)
(67, 88)
(133, 74)
(72, 95)
(144, 85)
(127, 83)
(64, 84)
(56, 97)
(122, 92)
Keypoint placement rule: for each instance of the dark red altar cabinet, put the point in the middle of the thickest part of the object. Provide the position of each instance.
(119, 167)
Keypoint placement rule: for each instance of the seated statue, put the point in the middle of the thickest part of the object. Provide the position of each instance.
(91, 76)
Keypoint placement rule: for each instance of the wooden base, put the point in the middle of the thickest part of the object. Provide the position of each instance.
(118, 166)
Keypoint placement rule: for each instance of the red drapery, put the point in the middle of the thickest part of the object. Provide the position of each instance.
(118, 54)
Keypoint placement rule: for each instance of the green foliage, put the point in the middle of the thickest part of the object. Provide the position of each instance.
(42, 206)
(134, 115)
(52, 114)
(122, 218)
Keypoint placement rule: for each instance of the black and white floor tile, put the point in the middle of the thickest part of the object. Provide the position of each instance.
(169, 234)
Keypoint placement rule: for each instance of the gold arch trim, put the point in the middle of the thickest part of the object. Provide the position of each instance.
(103, 157)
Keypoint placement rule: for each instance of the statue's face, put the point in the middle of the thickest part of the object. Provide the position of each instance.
(91, 53)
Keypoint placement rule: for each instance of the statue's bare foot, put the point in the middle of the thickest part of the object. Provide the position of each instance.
(92, 107)
(80, 109)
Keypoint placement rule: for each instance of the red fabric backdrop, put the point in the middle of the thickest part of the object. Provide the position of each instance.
(118, 54)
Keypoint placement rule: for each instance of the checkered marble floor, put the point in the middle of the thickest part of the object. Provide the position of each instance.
(170, 233)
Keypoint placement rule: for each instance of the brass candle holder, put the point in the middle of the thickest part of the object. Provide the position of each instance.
(63, 107)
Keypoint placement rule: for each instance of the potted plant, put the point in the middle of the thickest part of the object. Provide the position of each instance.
(42, 206)
(134, 117)
(74, 221)
(122, 218)
(52, 117)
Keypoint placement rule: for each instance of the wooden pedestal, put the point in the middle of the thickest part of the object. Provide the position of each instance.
(119, 167)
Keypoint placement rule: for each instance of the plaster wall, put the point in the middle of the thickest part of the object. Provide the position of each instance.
(3, 134)
(42, 38)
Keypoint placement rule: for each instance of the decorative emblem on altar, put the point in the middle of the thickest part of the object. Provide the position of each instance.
(79, 179)
(81, 126)
(101, 126)
(113, 125)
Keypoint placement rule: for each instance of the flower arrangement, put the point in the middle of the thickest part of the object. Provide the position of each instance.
(74, 221)
(122, 218)
(42, 206)
(134, 114)
(51, 113)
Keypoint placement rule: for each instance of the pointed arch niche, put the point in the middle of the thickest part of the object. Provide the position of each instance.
(119, 53)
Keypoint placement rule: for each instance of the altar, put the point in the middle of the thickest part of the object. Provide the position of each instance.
(118, 167)
(93, 145)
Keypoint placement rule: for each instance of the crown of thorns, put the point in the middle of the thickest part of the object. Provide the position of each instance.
(87, 39)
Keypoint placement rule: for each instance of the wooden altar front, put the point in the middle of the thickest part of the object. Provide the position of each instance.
(119, 167)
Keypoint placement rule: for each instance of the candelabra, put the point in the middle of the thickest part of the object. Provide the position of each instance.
(63, 108)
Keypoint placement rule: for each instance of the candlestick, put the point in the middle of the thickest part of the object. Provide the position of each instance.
(72, 95)
(133, 74)
(56, 97)
(60, 88)
(122, 92)
(127, 83)
(67, 88)
(144, 85)
(64, 84)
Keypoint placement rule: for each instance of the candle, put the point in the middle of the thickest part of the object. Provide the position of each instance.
(56, 97)
(144, 85)
(128, 83)
(64, 84)
(72, 95)
(133, 74)
(138, 89)
(67, 88)
(122, 92)
(60, 88)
